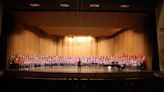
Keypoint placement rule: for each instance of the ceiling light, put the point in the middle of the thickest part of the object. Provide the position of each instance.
(34, 5)
(64, 5)
(124, 6)
(94, 5)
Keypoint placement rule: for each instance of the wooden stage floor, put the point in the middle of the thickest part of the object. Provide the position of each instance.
(76, 69)
(75, 73)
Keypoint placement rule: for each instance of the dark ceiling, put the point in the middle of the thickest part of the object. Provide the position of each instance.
(84, 5)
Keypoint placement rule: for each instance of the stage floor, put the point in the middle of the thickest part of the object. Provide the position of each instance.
(76, 73)
(76, 69)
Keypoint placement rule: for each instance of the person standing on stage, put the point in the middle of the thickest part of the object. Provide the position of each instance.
(79, 65)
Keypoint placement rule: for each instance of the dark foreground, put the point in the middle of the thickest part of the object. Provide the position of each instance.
(100, 81)
(115, 85)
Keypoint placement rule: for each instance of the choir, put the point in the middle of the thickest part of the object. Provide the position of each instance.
(29, 61)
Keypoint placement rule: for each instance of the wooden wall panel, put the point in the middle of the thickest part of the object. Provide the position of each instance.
(70, 49)
(46, 46)
(80, 46)
(134, 42)
(129, 42)
(29, 42)
(148, 53)
(24, 42)
(94, 47)
(105, 46)
(65, 45)
(160, 33)
(119, 45)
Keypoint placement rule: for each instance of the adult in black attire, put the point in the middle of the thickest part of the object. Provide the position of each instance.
(79, 65)
(143, 66)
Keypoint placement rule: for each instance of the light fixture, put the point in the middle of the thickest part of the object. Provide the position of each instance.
(79, 38)
(94, 5)
(64, 5)
(34, 4)
(124, 5)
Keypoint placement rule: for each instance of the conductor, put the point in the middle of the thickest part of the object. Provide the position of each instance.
(79, 65)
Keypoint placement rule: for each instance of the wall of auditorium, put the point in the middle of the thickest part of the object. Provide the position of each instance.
(0, 17)
(130, 42)
(31, 40)
(133, 42)
(160, 33)
(25, 39)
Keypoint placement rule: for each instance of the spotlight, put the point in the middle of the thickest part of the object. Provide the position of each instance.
(94, 5)
(34, 4)
(64, 5)
(124, 5)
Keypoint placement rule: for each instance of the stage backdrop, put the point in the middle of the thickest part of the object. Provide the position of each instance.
(25, 39)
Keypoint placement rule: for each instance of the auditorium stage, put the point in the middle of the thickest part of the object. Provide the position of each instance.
(76, 73)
